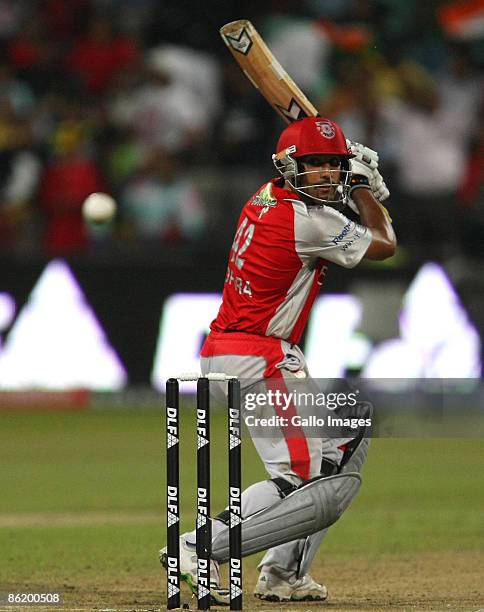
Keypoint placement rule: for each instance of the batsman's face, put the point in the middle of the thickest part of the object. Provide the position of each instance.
(321, 176)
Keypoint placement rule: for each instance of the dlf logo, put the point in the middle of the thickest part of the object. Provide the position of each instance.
(172, 563)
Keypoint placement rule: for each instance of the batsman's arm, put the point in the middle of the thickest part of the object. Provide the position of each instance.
(373, 216)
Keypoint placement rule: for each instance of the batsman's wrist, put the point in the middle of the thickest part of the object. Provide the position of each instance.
(358, 181)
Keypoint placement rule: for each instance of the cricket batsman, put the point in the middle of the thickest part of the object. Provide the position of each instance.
(288, 235)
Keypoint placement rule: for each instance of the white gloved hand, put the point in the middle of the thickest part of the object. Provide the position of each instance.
(375, 182)
(363, 154)
(378, 187)
(359, 168)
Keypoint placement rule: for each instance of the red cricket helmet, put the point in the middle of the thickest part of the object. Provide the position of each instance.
(314, 136)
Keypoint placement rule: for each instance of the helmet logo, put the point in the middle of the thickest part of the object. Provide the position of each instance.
(326, 129)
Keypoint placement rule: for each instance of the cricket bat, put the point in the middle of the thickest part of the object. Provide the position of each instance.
(264, 71)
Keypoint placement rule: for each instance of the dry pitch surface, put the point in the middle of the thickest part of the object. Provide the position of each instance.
(427, 581)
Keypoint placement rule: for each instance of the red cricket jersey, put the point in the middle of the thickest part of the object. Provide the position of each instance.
(278, 261)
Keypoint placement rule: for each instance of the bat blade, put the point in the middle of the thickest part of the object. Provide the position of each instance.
(264, 71)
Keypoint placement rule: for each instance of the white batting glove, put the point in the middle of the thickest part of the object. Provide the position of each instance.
(365, 177)
(363, 154)
(378, 187)
(360, 169)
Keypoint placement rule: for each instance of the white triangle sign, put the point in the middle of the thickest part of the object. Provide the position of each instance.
(202, 591)
(57, 342)
(201, 441)
(234, 441)
(234, 519)
(171, 440)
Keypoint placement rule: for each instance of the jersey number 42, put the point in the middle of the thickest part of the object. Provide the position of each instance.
(245, 234)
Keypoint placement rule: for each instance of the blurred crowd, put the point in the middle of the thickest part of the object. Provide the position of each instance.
(142, 100)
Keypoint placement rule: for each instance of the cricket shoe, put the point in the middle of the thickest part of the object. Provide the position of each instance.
(271, 587)
(188, 573)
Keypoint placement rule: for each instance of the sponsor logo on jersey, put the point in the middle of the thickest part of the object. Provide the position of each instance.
(344, 232)
(264, 199)
(345, 244)
(326, 129)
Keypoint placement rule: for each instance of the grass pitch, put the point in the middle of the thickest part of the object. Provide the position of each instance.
(81, 513)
